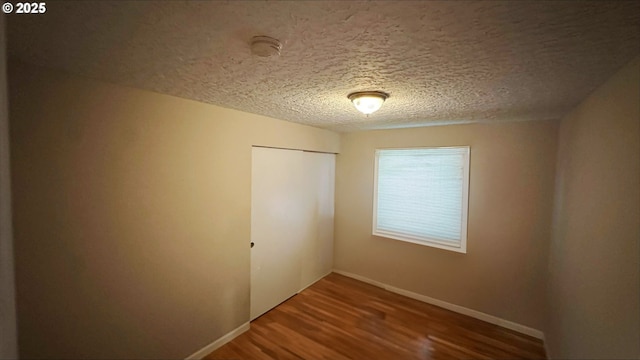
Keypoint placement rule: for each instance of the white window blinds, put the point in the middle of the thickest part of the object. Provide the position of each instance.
(421, 195)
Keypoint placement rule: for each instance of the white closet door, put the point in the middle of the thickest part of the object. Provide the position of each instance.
(317, 249)
(279, 212)
(291, 223)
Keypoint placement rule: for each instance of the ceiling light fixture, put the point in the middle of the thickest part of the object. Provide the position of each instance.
(265, 46)
(368, 102)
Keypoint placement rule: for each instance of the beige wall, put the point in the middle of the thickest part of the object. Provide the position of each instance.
(510, 202)
(595, 254)
(132, 216)
(8, 345)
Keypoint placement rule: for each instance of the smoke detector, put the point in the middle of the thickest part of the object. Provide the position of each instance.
(265, 46)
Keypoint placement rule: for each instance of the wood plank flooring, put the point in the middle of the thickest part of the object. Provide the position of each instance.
(342, 318)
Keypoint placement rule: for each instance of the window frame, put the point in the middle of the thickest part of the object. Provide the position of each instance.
(460, 247)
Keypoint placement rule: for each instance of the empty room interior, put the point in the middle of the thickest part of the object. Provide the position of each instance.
(320, 180)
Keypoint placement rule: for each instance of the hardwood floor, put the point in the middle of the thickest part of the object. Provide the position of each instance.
(342, 318)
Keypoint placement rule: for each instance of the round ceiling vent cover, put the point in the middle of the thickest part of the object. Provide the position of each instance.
(265, 46)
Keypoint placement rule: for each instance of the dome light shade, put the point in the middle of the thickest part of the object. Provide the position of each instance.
(368, 102)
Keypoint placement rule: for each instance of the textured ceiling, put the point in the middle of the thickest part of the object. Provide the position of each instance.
(441, 62)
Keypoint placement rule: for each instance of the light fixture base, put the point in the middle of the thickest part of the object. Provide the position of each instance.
(368, 102)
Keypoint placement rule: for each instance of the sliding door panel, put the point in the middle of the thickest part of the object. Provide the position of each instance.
(317, 250)
(291, 223)
(278, 225)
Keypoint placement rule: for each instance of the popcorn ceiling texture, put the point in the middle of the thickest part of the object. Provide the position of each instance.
(442, 62)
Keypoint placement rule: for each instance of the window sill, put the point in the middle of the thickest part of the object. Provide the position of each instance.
(459, 248)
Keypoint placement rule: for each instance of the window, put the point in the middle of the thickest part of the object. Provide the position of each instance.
(421, 196)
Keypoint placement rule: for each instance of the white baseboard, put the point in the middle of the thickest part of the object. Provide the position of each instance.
(234, 333)
(218, 343)
(316, 280)
(453, 307)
